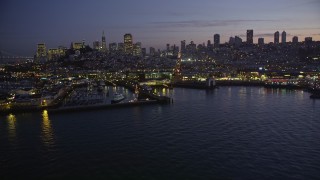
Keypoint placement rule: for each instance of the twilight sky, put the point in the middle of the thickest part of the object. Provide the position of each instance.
(24, 23)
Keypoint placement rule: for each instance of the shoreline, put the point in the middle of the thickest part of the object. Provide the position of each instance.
(78, 108)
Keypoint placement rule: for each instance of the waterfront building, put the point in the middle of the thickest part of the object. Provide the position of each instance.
(283, 37)
(41, 50)
(295, 39)
(250, 36)
(128, 44)
(276, 37)
(216, 40)
(103, 43)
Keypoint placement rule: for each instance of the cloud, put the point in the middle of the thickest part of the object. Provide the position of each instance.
(202, 23)
(264, 35)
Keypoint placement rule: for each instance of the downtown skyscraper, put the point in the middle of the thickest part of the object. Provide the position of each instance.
(128, 45)
(250, 36)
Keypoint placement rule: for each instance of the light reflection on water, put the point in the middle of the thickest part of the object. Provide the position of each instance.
(47, 131)
(11, 119)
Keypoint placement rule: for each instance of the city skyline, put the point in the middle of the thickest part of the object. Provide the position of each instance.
(153, 23)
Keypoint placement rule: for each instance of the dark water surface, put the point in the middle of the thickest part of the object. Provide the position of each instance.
(230, 132)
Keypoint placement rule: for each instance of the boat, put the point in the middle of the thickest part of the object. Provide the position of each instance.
(117, 97)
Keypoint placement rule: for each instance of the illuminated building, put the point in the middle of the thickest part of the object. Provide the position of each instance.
(283, 37)
(128, 46)
(276, 37)
(137, 49)
(77, 45)
(295, 39)
(41, 50)
(53, 54)
(177, 76)
(216, 40)
(250, 36)
(96, 45)
(103, 43)
(62, 50)
(261, 41)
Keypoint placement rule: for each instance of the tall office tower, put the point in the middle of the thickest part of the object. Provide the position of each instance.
(283, 37)
(237, 41)
(308, 41)
(231, 40)
(216, 40)
(112, 47)
(41, 50)
(128, 46)
(96, 45)
(208, 44)
(137, 49)
(103, 43)
(295, 39)
(183, 46)
(175, 50)
(152, 51)
(191, 48)
(250, 36)
(276, 37)
(261, 41)
(168, 47)
(144, 52)
(53, 54)
(121, 47)
(62, 50)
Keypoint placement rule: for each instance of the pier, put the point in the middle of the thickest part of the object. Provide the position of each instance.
(143, 93)
(57, 105)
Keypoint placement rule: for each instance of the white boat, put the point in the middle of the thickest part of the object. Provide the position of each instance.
(117, 97)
